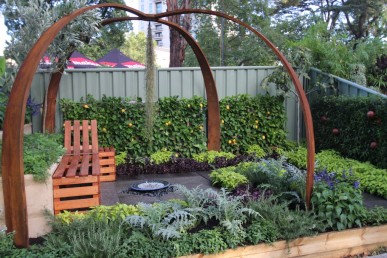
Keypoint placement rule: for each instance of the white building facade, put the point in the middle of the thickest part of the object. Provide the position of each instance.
(160, 31)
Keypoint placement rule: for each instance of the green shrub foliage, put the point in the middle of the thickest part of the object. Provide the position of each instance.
(180, 123)
(210, 156)
(227, 178)
(372, 179)
(247, 120)
(178, 126)
(40, 152)
(338, 202)
(359, 136)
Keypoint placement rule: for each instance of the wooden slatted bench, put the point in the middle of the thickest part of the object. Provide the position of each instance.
(76, 181)
(107, 161)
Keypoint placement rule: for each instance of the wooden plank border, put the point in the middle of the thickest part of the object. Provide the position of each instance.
(331, 244)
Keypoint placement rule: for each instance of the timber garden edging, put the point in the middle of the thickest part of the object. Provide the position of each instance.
(325, 245)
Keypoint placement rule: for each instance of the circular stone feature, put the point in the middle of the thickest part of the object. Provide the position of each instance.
(150, 185)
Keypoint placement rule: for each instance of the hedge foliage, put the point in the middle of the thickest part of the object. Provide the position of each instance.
(247, 120)
(358, 136)
(180, 123)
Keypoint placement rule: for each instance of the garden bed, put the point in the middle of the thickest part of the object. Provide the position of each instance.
(332, 244)
(39, 199)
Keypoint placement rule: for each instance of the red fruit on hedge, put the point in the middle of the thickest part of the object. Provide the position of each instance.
(335, 131)
(370, 114)
(373, 145)
(324, 119)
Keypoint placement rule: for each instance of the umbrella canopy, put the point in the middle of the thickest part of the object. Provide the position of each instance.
(78, 60)
(117, 59)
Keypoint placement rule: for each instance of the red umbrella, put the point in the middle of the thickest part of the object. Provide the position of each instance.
(117, 59)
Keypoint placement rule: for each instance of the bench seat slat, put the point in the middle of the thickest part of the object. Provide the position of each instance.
(72, 170)
(61, 169)
(84, 170)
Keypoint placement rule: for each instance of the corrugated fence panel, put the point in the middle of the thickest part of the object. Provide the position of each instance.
(183, 82)
(345, 87)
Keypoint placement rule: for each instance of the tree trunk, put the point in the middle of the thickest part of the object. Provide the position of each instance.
(177, 43)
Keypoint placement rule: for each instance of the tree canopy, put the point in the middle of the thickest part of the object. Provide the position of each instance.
(135, 46)
(26, 20)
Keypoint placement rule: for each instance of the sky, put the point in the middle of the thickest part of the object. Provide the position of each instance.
(3, 29)
(3, 34)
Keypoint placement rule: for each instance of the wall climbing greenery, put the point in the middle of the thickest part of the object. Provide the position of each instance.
(355, 127)
(248, 120)
(180, 124)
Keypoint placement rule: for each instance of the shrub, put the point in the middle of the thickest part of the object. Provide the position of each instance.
(116, 212)
(121, 158)
(375, 216)
(337, 202)
(161, 157)
(207, 241)
(164, 220)
(228, 211)
(256, 151)
(227, 178)
(360, 136)
(263, 230)
(40, 152)
(284, 223)
(372, 179)
(210, 156)
(99, 240)
(297, 157)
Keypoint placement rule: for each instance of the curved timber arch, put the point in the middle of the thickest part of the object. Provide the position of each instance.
(297, 84)
(211, 92)
(12, 158)
(12, 151)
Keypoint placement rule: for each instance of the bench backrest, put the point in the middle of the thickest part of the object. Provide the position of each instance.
(81, 138)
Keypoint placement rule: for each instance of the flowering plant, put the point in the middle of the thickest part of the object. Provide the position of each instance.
(337, 200)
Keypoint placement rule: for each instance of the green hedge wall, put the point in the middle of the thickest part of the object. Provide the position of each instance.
(247, 120)
(355, 127)
(180, 123)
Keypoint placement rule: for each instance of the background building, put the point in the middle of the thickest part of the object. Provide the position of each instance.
(160, 31)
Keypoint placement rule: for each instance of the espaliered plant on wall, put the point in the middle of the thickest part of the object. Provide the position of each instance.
(355, 127)
(179, 124)
(247, 120)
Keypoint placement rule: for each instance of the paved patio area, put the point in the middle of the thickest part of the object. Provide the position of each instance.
(111, 192)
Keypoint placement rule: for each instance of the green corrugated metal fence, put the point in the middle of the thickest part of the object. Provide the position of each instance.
(182, 82)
